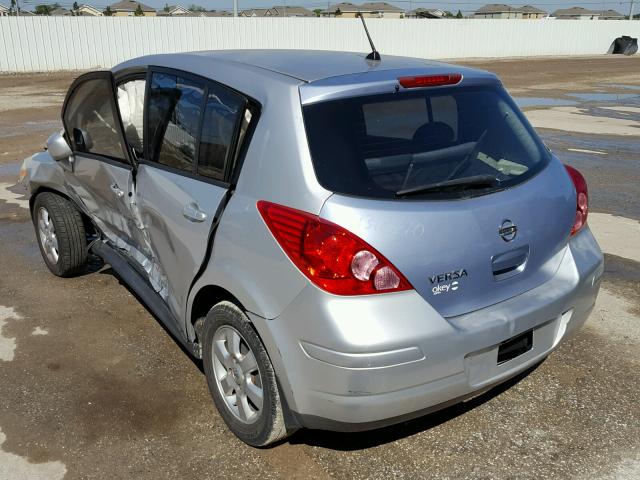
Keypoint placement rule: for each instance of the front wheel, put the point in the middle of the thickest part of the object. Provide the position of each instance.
(241, 378)
(61, 234)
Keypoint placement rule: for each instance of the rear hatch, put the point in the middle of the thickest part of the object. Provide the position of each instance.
(450, 184)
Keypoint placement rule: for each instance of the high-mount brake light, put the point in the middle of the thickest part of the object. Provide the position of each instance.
(333, 258)
(582, 199)
(430, 80)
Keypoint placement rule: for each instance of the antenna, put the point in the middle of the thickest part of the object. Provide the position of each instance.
(374, 55)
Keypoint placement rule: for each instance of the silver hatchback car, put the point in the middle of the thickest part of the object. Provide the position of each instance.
(346, 242)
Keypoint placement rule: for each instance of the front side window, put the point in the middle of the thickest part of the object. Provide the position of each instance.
(218, 128)
(91, 121)
(174, 111)
(383, 146)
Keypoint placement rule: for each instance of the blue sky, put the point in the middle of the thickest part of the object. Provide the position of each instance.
(452, 5)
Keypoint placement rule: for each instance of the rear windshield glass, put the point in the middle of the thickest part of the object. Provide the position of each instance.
(377, 146)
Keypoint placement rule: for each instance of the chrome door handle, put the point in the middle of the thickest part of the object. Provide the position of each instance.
(193, 213)
(117, 190)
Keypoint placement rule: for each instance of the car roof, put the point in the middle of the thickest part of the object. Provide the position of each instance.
(303, 65)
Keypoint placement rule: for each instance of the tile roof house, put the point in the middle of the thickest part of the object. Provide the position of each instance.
(576, 13)
(497, 10)
(4, 11)
(501, 10)
(381, 9)
(174, 11)
(368, 10)
(285, 11)
(127, 8)
(254, 12)
(60, 12)
(216, 13)
(85, 10)
(611, 15)
(532, 13)
(425, 13)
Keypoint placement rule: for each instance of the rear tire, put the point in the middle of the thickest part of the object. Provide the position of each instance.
(61, 234)
(241, 378)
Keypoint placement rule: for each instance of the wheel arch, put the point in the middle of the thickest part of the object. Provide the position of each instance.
(209, 295)
(86, 220)
(206, 297)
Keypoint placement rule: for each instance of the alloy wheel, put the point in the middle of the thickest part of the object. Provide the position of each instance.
(237, 374)
(48, 237)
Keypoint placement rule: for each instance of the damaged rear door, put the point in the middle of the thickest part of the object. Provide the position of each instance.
(192, 127)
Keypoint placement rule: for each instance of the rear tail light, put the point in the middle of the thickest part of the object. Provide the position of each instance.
(582, 199)
(430, 80)
(333, 258)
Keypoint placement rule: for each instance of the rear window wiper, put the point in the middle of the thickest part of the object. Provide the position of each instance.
(475, 181)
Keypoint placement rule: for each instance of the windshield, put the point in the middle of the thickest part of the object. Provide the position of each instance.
(382, 146)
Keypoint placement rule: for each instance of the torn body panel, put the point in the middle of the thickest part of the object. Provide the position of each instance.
(117, 218)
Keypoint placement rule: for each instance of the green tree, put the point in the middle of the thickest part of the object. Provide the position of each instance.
(107, 12)
(317, 11)
(43, 9)
(12, 7)
(196, 8)
(459, 14)
(138, 12)
(338, 12)
(166, 7)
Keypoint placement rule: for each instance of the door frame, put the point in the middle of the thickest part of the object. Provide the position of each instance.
(126, 162)
(248, 103)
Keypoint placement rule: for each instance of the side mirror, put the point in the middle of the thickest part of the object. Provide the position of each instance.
(58, 147)
(82, 139)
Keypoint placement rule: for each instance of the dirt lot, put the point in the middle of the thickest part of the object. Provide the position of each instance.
(91, 386)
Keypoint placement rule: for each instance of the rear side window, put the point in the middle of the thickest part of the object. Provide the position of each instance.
(220, 120)
(375, 146)
(91, 121)
(174, 112)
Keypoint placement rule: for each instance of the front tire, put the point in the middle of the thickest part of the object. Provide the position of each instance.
(241, 378)
(61, 234)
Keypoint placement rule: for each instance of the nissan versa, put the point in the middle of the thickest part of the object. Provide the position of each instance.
(346, 241)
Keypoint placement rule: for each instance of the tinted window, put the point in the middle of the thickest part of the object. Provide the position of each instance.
(220, 119)
(375, 146)
(175, 107)
(90, 111)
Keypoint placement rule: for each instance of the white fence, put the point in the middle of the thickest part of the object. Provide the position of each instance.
(70, 43)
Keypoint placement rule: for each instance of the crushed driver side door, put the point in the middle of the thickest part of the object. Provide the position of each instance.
(101, 170)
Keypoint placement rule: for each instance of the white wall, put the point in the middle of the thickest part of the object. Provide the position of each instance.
(70, 43)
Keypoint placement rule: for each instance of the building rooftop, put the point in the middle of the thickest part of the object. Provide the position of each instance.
(130, 6)
(574, 11)
(292, 11)
(530, 9)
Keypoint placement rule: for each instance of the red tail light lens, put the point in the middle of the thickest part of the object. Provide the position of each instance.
(430, 80)
(582, 199)
(331, 257)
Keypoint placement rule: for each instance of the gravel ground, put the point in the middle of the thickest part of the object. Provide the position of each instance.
(93, 387)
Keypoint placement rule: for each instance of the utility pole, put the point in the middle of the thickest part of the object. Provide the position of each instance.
(235, 8)
(631, 11)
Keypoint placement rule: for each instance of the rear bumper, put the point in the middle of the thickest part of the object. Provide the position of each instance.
(365, 362)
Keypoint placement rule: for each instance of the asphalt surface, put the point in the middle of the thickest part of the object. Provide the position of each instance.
(91, 386)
